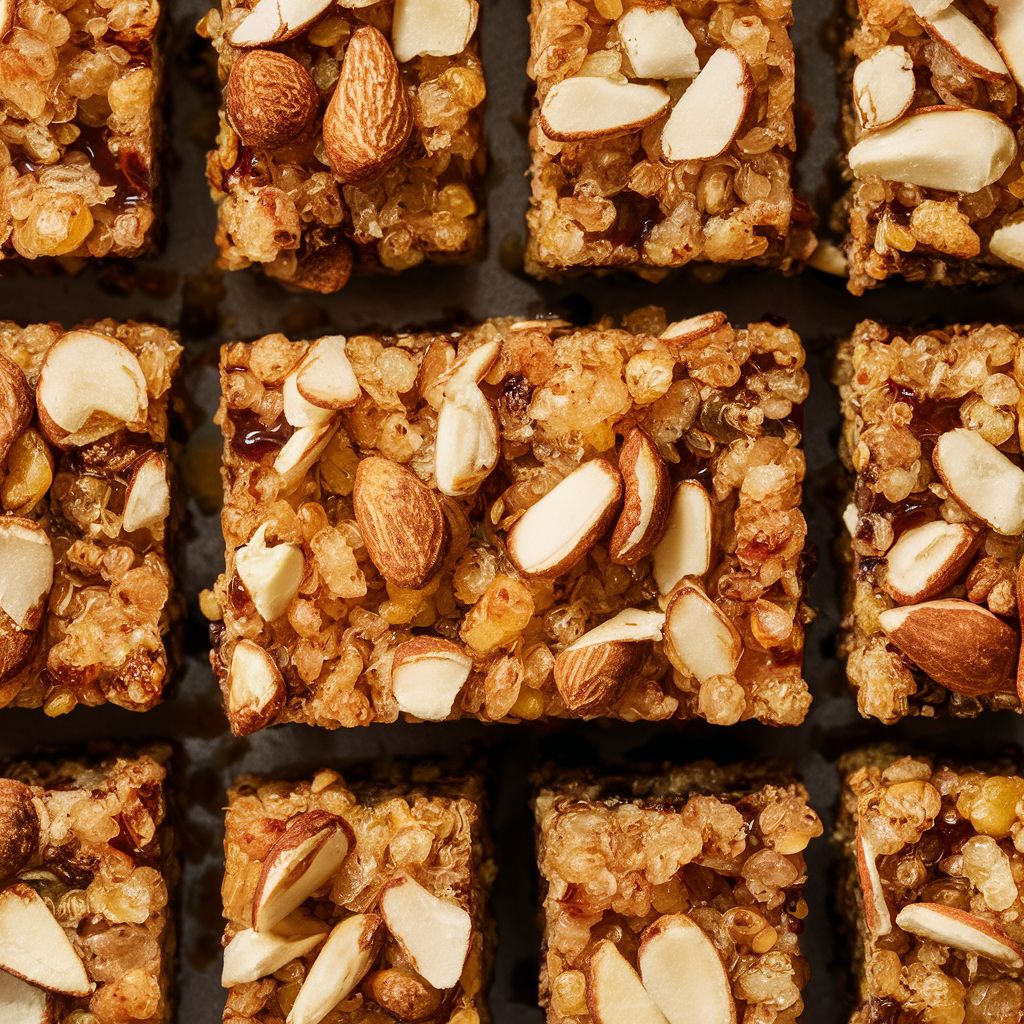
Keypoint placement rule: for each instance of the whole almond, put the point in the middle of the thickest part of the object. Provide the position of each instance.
(270, 99)
(15, 404)
(369, 119)
(587, 677)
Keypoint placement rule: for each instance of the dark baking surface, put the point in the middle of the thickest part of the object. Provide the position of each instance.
(179, 288)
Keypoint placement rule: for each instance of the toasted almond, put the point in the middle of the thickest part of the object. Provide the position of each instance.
(1007, 243)
(683, 972)
(15, 405)
(631, 625)
(303, 860)
(467, 443)
(472, 367)
(19, 827)
(256, 689)
(658, 43)
(27, 559)
(982, 479)
(270, 99)
(300, 452)
(427, 674)
(683, 332)
(554, 534)
(588, 107)
(89, 386)
(967, 43)
(401, 520)
(927, 560)
(928, 8)
(685, 547)
(274, 21)
(432, 932)
(699, 639)
(960, 645)
(434, 28)
(325, 377)
(251, 955)
(876, 910)
(615, 993)
(950, 926)
(942, 148)
(1008, 33)
(35, 948)
(340, 965)
(147, 499)
(271, 574)
(883, 87)
(709, 114)
(8, 15)
(22, 1003)
(851, 519)
(298, 412)
(829, 259)
(404, 994)
(645, 504)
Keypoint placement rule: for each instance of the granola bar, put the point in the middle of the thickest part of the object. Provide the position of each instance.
(85, 502)
(87, 859)
(931, 122)
(676, 897)
(662, 133)
(356, 903)
(932, 440)
(79, 127)
(350, 133)
(518, 520)
(930, 888)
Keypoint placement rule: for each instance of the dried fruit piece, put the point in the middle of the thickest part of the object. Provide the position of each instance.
(883, 87)
(658, 43)
(876, 910)
(1007, 244)
(927, 559)
(274, 21)
(682, 332)
(589, 107)
(22, 1003)
(951, 926)
(1008, 33)
(270, 99)
(27, 559)
(147, 499)
(427, 674)
(19, 827)
(615, 993)
(685, 546)
(966, 42)
(251, 955)
(404, 994)
(645, 504)
(256, 688)
(699, 639)
(435, 28)
(325, 377)
(271, 574)
(15, 405)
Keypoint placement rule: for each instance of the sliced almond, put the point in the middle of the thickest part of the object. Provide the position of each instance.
(19, 827)
(402, 522)
(615, 993)
(22, 1003)
(588, 107)
(35, 948)
(299, 412)
(685, 547)
(699, 639)
(433, 933)
(558, 531)
(927, 560)
(883, 87)
(300, 452)
(27, 559)
(1007, 244)
(1008, 32)
(256, 689)
(658, 43)
(271, 574)
(8, 14)
(473, 366)
(960, 645)
(683, 973)
(434, 28)
(325, 377)
(645, 503)
(982, 479)
(89, 386)
(876, 910)
(302, 861)
(967, 43)
(16, 406)
(948, 149)
(683, 332)
(427, 674)
(347, 955)
(251, 955)
(950, 926)
(708, 115)
(928, 8)
(467, 444)
(274, 21)
(147, 499)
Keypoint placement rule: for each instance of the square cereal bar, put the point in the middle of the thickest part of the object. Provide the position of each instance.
(85, 502)
(676, 897)
(932, 114)
(929, 887)
(349, 135)
(494, 522)
(87, 859)
(662, 134)
(79, 127)
(357, 903)
(931, 438)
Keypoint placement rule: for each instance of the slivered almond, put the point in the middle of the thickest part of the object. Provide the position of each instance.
(876, 910)
(685, 546)
(982, 479)
(147, 499)
(325, 377)
(943, 148)
(967, 43)
(1007, 244)
(427, 674)
(558, 531)
(615, 993)
(588, 107)
(683, 332)
(256, 689)
(22, 1003)
(960, 645)
(699, 639)
(271, 573)
(27, 559)
(683, 972)
(883, 87)
(303, 860)
(252, 955)
(435, 28)
(645, 503)
(1008, 33)
(927, 560)
(401, 520)
(15, 405)
(274, 21)
(950, 926)
(708, 115)
(658, 43)
(301, 451)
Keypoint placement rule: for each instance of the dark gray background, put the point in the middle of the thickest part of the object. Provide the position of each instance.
(180, 288)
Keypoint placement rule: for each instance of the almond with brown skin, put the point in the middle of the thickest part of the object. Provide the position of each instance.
(255, 689)
(427, 673)
(270, 99)
(369, 119)
(15, 405)
(274, 21)
(876, 910)
(401, 992)
(928, 559)
(646, 492)
(683, 332)
(19, 827)
(950, 926)
(25, 1003)
(615, 993)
